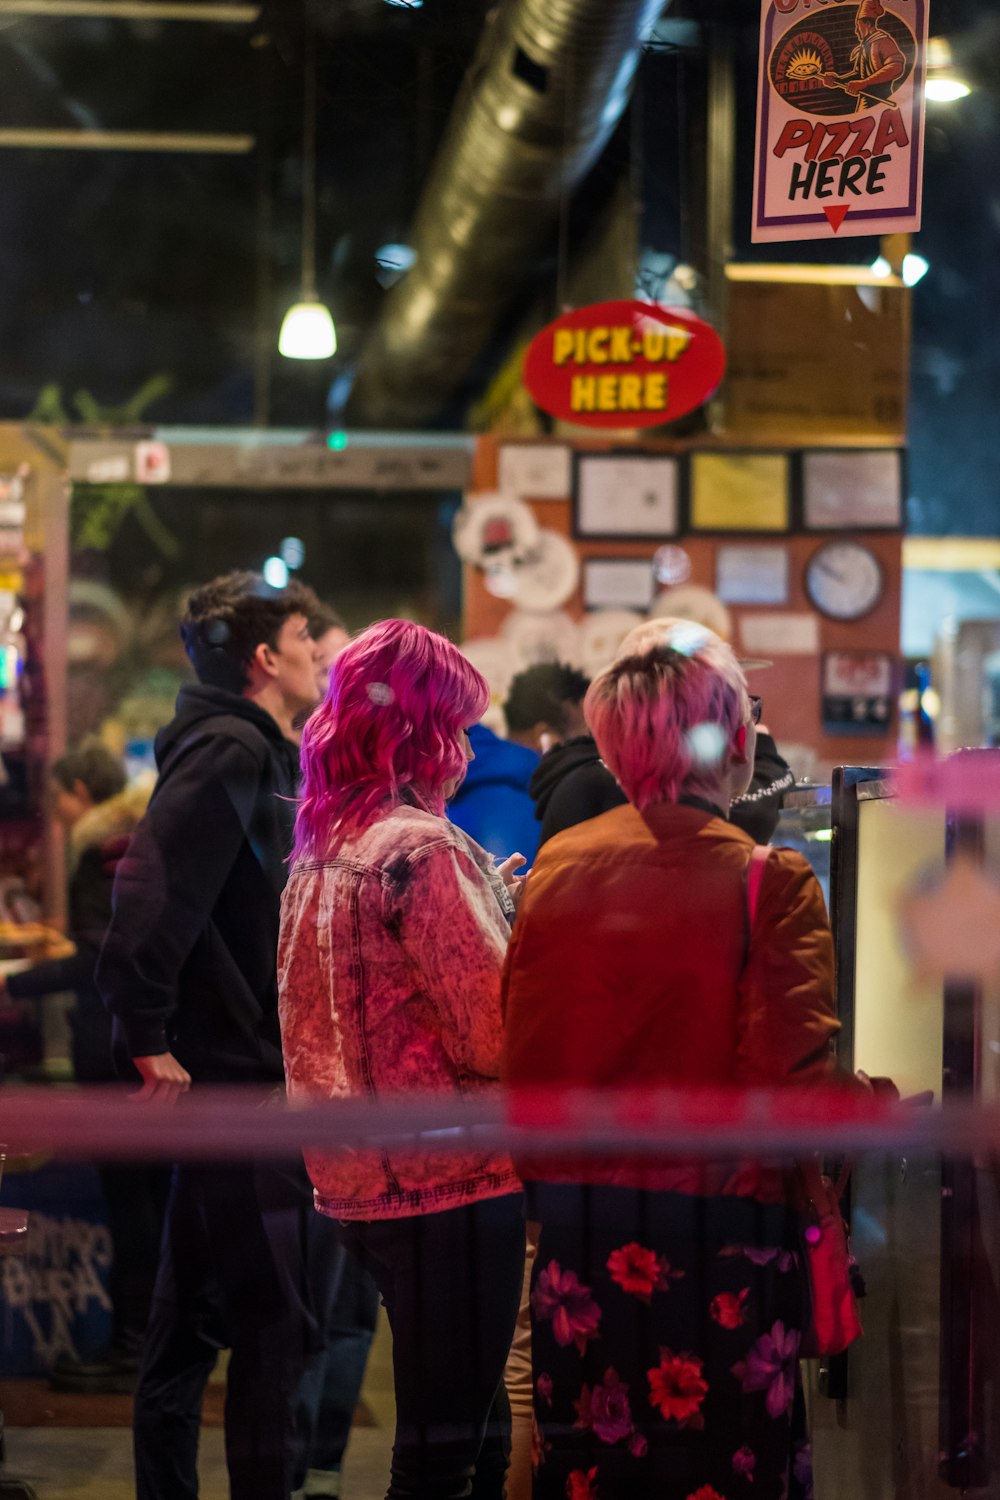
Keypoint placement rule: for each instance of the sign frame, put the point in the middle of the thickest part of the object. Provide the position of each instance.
(792, 152)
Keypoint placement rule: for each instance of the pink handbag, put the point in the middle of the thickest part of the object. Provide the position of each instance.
(834, 1322)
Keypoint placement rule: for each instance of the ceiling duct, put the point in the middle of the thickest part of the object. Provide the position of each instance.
(547, 86)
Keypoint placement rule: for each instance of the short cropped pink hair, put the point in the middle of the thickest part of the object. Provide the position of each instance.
(641, 710)
(391, 722)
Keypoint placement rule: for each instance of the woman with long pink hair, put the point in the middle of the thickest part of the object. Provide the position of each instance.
(393, 933)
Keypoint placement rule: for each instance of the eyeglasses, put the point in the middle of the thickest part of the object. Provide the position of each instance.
(756, 709)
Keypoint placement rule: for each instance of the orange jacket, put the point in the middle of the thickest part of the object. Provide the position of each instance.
(629, 968)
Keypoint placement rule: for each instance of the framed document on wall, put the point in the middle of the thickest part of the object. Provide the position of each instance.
(754, 574)
(625, 497)
(618, 583)
(535, 471)
(740, 492)
(852, 488)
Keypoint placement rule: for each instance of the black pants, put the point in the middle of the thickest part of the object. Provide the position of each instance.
(234, 1273)
(451, 1283)
(329, 1391)
(135, 1197)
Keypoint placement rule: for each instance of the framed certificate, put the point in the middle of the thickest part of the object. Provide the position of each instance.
(852, 488)
(756, 574)
(535, 471)
(625, 497)
(618, 583)
(740, 492)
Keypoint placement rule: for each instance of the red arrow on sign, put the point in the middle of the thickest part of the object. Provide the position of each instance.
(836, 213)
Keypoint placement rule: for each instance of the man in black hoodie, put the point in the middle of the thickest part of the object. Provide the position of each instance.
(188, 971)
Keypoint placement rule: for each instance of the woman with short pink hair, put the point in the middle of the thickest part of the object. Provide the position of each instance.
(667, 1295)
(393, 932)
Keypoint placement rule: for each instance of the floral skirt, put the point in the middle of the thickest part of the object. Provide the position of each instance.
(665, 1338)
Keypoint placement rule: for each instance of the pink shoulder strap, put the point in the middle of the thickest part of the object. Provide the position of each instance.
(755, 875)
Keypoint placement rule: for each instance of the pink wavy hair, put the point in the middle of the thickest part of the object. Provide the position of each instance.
(398, 700)
(642, 709)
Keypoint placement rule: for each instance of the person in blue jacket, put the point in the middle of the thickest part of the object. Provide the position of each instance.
(493, 804)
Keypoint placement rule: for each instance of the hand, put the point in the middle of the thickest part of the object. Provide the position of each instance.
(856, 86)
(883, 1088)
(513, 882)
(163, 1079)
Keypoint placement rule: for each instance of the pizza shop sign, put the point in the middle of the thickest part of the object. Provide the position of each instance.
(624, 364)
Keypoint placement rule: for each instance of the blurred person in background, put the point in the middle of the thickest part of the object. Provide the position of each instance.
(189, 972)
(572, 783)
(91, 800)
(667, 1297)
(393, 932)
(330, 636)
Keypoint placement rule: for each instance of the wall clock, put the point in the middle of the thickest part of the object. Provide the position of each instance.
(844, 580)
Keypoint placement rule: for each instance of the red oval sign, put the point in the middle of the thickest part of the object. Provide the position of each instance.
(624, 364)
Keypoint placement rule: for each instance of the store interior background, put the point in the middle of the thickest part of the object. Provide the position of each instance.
(146, 291)
(141, 295)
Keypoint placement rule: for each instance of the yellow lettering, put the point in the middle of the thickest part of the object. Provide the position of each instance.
(607, 393)
(621, 346)
(654, 396)
(653, 342)
(580, 347)
(583, 392)
(677, 341)
(630, 393)
(562, 346)
(597, 346)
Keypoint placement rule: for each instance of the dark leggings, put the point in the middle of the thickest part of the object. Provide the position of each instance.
(451, 1284)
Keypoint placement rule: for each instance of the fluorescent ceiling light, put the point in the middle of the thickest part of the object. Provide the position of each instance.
(275, 572)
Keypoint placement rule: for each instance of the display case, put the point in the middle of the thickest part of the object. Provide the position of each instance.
(905, 1415)
(805, 824)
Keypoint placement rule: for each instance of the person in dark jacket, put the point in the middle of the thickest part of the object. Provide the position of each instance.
(90, 799)
(572, 783)
(189, 972)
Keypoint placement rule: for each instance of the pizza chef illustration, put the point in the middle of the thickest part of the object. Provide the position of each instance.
(877, 63)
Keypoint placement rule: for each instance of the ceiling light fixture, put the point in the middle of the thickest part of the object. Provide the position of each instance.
(915, 268)
(307, 330)
(944, 85)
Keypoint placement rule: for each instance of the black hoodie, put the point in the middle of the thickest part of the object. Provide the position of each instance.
(572, 784)
(189, 962)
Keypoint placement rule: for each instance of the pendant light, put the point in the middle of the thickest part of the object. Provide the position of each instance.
(307, 330)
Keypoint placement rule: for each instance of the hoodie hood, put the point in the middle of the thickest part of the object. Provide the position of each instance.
(197, 702)
(557, 763)
(498, 762)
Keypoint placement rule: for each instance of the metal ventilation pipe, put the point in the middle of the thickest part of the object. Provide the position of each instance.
(547, 86)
